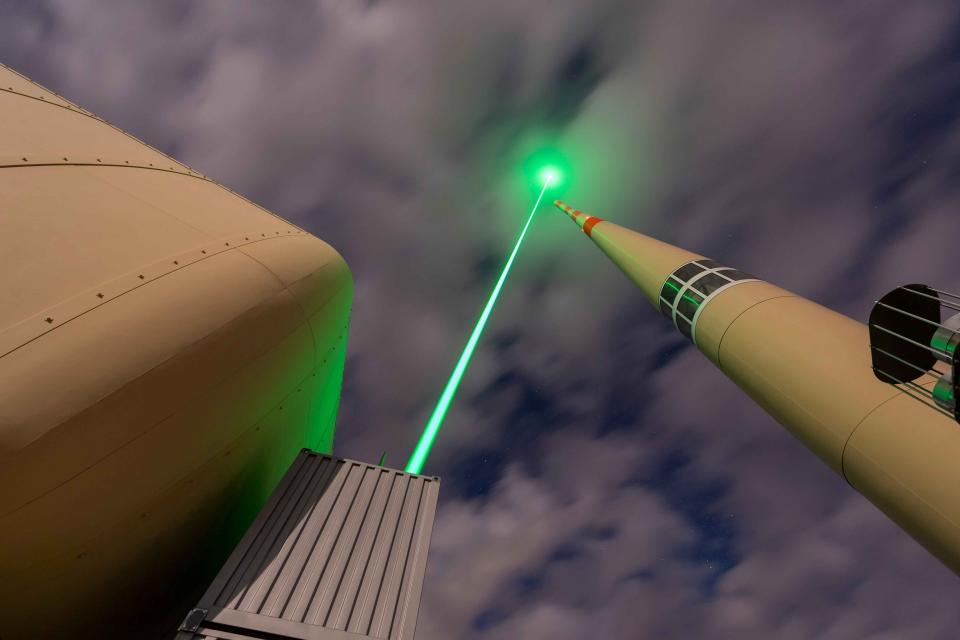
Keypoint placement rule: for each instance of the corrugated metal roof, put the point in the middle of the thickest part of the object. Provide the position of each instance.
(341, 546)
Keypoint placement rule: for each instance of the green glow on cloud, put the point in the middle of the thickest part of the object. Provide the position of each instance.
(547, 164)
(550, 174)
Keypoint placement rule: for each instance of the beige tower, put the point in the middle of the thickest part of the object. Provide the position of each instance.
(811, 369)
(166, 350)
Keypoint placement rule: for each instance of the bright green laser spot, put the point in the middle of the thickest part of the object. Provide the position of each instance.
(550, 174)
(419, 457)
(546, 164)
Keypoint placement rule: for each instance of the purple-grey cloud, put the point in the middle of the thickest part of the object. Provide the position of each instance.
(629, 490)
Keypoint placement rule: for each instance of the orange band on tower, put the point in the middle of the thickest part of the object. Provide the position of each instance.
(590, 223)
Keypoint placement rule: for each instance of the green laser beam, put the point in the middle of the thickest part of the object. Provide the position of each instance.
(419, 457)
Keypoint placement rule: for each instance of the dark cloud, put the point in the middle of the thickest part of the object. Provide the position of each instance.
(602, 479)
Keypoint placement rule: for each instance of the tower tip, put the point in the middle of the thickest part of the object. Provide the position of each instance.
(567, 209)
(583, 220)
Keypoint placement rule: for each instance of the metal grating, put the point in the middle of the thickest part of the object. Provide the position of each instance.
(691, 287)
(339, 549)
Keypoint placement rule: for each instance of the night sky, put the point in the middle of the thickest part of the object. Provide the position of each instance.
(600, 478)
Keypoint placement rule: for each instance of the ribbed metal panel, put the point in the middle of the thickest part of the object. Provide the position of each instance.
(340, 547)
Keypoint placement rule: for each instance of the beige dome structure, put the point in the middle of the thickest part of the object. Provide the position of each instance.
(166, 350)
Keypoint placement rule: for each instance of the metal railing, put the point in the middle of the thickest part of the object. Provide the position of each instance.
(910, 342)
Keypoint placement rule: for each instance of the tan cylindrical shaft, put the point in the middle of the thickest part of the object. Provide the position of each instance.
(810, 368)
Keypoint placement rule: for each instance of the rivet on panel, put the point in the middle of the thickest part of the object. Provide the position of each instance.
(203, 251)
(49, 320)
(226, 244)
(99, 160)
(24, 159)
(176, 262)
(140, 276)
(100, 295)
(65, 160)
